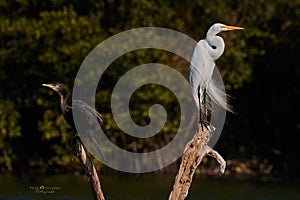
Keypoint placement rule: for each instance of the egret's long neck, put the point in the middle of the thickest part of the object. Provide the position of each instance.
(215, 43)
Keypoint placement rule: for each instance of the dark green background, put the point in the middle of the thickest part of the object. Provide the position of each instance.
(45, 41)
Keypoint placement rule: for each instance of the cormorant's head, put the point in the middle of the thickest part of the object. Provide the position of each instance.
(57, 87)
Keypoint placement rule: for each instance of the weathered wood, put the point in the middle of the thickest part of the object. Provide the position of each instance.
(194, 152)
(214, 154)
(90, 169)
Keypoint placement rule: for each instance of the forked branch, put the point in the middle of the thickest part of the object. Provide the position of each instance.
(194, 152)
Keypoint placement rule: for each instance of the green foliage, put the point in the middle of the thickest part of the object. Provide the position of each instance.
(45, 41)
(57, 132)
(9, 130)
(42, 48)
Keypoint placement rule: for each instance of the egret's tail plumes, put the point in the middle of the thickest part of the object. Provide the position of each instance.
(218, 96)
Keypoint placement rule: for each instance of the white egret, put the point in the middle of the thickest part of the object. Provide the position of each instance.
(201, 70)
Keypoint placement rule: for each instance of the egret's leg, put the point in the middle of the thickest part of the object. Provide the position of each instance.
(202, 119)
(203, 110)
(204, 103)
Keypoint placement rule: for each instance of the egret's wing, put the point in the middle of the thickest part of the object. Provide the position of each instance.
(201, 70)
(202, 65)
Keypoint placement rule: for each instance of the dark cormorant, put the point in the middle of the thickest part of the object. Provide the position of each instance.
(88, 112)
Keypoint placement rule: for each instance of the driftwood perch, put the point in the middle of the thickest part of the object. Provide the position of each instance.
(195, 150)
(90, 169)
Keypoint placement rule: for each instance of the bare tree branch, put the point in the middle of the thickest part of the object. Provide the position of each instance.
(90, 169)
(194, 152)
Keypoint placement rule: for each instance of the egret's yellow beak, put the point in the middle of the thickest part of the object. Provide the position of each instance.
(231, 28)
(49, 85)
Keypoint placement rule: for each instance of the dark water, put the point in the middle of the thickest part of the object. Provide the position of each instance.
(131, 187)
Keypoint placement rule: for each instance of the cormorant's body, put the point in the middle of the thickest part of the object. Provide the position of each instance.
(67, 110)
(68, 116)
(87, 112)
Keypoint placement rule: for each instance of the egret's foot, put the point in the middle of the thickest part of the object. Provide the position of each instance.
(211, 128)
(204, 123)
(207, 125)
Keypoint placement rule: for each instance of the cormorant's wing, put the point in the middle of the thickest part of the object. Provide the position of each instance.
(89, 112)
(87, 132)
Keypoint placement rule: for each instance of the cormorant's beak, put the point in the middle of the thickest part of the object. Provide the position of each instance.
(231, 28)
(52, 86)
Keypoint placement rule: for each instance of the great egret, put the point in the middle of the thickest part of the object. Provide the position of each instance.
(201, 70)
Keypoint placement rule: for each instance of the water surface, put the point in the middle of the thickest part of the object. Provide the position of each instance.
(132, 187)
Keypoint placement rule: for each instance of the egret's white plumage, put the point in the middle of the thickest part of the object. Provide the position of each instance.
(202, 66)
